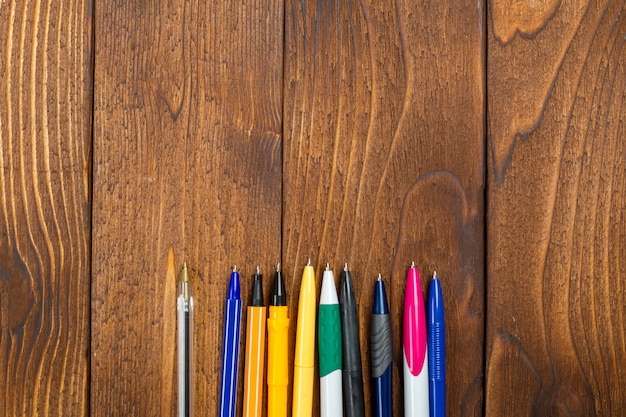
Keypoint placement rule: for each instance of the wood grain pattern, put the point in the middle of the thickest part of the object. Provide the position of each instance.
(384, 159)
(555, 332)
(45, 208)
(187, 159)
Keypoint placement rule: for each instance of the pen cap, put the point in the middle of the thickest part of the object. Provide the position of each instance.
(279, 296)
(257, 291)
(414, 325)
(305, 327)
(349, 324)
(234, 286)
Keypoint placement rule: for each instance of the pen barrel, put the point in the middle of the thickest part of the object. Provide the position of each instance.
(255, 361)
(382, 394)
(277, 362)
(382, 355)
(354, 403)
(437, 369)
(303, 391)
(436, 352)
(329, 338)
(331, 401)
(416, 395)
(185, 355)
(382, 345)
(230, 357)
(436, 341)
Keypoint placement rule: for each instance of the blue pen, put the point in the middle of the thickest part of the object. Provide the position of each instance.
(436, 350)
(382, 351)
(230, 347)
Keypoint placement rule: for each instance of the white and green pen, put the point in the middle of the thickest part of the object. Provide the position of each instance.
(329, 339)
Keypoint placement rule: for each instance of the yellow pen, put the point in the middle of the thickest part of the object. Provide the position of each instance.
(277, 352)
(304, 359)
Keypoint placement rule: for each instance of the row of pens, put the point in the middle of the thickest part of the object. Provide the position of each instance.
(340, 371)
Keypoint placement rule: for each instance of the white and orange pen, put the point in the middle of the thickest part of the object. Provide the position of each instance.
(415, 355)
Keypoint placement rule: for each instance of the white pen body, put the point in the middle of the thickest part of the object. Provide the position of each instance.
(416, 389)
(185, 356)
(331, 391)
(331, 401)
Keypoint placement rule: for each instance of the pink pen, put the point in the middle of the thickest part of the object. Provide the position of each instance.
(414, 347)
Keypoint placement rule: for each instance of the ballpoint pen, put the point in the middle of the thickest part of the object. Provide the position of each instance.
(329, 343)
(304, 359)
(230, 347)
(255, 351)
(382, 351)
(415, 357)
(185, 345)
(277, 349)
(354, 401)
(436, 349)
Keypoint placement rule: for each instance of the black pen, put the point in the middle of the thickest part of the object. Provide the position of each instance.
(352, 373)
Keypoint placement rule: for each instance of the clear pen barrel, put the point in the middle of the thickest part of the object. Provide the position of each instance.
(185, 350)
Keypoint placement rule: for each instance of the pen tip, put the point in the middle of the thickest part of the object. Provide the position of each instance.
(345, 267)
(308, 263)
(412, 264)
(184, 273)
(380, 278)
(278, 267)
(258, 269)
(327, 266)
(234, 268)
(435, 275)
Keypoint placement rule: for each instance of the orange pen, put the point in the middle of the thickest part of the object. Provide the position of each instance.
(277, 354)
(255, 351)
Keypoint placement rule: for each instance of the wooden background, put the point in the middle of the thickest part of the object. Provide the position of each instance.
(484, 140)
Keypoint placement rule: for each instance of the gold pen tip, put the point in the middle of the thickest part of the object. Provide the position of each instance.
(184, 273)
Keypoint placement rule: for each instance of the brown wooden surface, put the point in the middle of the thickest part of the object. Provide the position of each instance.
(338, 131)
(187, 166)
(45, 237)
(384, 161)
(556, 232)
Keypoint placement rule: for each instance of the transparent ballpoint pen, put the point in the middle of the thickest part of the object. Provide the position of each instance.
(185, 345)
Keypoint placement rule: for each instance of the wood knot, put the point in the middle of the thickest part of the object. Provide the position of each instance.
(16, 295)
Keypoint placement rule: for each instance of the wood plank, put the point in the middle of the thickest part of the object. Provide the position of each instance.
(187, 166)
(384, 162)
(45, 209)
(555, 332)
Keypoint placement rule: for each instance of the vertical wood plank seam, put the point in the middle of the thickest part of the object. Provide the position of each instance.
(485, 61)
(282, 133)
(91, 6)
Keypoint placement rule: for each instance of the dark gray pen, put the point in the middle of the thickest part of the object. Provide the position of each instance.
(353, 399)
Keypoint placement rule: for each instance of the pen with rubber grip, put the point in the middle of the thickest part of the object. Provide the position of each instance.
(329, 348)
(382, 352)
(354, 402)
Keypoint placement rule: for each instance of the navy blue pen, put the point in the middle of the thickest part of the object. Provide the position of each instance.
(436, 350)
(230, 347)
(382, 351)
